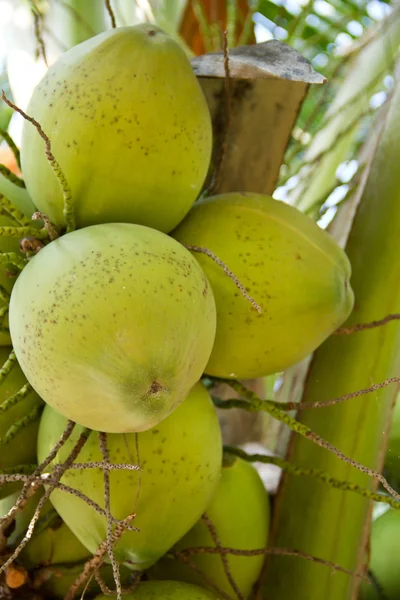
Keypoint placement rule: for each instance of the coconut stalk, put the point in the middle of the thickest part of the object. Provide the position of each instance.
(310, 516)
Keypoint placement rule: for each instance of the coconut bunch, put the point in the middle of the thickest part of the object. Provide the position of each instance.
(129, 294)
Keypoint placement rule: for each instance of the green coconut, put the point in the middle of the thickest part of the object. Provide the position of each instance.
(129, 126)
(293, 269)
(180, 464)
(392, 458)
(113, 324)
(239, 512)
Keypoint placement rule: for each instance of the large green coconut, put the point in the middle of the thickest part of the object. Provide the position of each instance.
(239, 513)
(180, 464)
(294, 270)
(129, 126)
(113, 324)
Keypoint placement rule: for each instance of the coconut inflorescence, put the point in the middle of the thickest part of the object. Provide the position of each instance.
(136, 300)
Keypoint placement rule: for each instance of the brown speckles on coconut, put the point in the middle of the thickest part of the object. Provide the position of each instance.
(98, 104)
(98, 303)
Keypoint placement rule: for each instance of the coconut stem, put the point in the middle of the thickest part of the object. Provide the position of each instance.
(111, 13)
(57, 473)
(106, 476)
(260, 551)
(48, 225)
(288, 406)
(31, 484)
(254, 403)
(20, 232)
(12, 258)
(14, 213)
(111, 466)
(5, 297)
(32, 416)
(12, 476)
(69, 490)
(8, 365)
(15, 398)
(185, 559)
(109, 592)
(11, 176)
(214, 535)
(338, 399)
(95, 562)
(333, 482)
(363, 326)
(228, 272)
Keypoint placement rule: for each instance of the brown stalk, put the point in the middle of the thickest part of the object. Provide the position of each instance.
(260, 551)
(111, 13)
(227, 272)
(214, 534)
(106, 475)
(98, 558)
(364, 326)
(58, 472)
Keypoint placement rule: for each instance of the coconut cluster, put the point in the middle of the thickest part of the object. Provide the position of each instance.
(143, 294)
